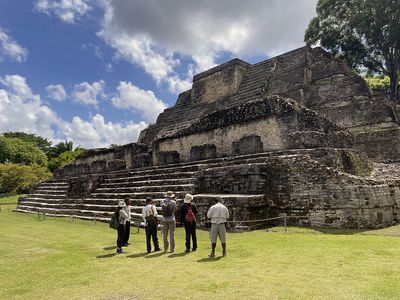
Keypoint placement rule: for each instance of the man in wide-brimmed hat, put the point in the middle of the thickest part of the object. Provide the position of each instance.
(188, 219)
(168, 207)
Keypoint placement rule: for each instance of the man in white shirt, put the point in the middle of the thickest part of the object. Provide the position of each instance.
(149, 214)
(219, 214)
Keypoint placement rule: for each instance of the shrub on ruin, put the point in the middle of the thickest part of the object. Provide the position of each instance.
(18, 179)
(64, 159)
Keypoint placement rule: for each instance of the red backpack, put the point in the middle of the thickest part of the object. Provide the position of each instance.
(190, 217)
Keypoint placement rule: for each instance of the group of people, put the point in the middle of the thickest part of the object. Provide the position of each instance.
(218, 215)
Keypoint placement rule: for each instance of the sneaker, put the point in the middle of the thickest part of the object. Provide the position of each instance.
(194, 249)
(120, 251)
(211, 255)
(187, 250)
(223, 253)
(156, 250)
(172, 251)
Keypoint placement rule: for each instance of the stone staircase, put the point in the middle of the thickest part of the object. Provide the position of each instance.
(52, 198)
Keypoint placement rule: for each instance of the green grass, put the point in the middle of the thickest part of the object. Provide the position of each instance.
(61, 259)
(7, 199)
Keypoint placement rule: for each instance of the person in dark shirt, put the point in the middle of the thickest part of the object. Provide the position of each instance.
(188, 219)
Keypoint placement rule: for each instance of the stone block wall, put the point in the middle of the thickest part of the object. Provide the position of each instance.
(107, 160)
(270, 124)
(218, 82)
(382, 145)
(301, 186)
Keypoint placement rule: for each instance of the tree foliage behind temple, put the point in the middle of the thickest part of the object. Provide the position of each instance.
(366, 33)
(15, 150)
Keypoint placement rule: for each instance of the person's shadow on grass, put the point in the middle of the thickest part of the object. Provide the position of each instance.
(106, 255)
(173, 255)
(137, 255)
(158, 254)
(109, 248)
(209, 259)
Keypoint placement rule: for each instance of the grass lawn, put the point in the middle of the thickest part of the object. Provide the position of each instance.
(61, 259)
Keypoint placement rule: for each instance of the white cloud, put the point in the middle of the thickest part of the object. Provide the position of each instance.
(9, 48)
(151, 33)
(131, 97)
(98, 133)
(56, 92)
(22, 110)
(67, 11)
(89, 94)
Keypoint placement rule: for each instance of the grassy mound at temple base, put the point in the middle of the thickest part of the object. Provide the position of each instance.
(61, 259)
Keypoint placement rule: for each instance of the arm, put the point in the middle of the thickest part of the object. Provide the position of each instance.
(209, 213)
(183, 213)
(123, 214)
(144, 214)
(154, 211)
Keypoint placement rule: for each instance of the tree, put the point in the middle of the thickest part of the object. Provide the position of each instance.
(42, 143)
(15, 150)
(61, 148)
(64, 158)
(381, 84)
(366, 33)
(18, 179)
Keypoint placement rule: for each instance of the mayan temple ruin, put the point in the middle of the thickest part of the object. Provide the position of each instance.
(298, 134)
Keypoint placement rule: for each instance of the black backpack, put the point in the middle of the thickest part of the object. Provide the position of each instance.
(114, 222)
(167, 209)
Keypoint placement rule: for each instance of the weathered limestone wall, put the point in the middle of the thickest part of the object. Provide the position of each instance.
(310, 183)
(218, 82)
(107, 160)
(381, 145)
(274, 123)
(271, 131)
(300, 186)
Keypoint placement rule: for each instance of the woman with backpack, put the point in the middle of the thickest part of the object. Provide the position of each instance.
(188, 219)
(122, 218)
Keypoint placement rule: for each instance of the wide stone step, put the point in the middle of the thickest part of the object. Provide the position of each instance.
(149, 182)
(158, 170)
(128, 177)
(142, 195)
(49, 191)
(149, 188)
(47, 196)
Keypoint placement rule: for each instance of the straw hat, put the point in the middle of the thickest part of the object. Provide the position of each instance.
(188, 198)
(121, 204)
(169, 194)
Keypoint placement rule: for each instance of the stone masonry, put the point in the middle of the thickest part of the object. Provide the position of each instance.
(299, 134)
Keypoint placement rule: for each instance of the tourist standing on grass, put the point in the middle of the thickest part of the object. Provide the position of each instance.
(188, 219)
(168, 207)
(219, 214)
(122, 217)
(150, 218)
(128, 222)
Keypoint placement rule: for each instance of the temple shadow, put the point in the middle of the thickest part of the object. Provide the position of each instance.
(141, 254)
(208, 259)
(106, 255)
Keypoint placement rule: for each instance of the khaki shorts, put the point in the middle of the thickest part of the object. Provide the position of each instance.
(218, 230)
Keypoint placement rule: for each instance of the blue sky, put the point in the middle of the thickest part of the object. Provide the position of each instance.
(97, 72)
